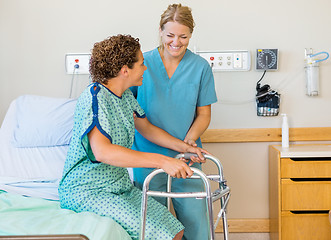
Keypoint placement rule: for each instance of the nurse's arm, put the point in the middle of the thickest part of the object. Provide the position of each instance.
(113, 154)
(199, 125)
(162, 138)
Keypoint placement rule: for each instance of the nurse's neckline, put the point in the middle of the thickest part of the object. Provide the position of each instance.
(161, 52)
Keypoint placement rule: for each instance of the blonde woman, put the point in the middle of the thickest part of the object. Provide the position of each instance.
(177, 94)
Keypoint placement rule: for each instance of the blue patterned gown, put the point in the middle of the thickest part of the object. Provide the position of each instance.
(89, 185)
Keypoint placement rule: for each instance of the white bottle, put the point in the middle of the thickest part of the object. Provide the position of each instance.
(285, 132)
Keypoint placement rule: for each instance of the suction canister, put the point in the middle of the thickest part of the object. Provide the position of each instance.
(312, 71)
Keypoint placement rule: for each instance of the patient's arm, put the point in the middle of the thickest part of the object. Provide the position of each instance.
(106, 152)
(164, 139)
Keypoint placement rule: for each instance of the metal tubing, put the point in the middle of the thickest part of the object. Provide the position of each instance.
(144, 201)
(223, 187)
(169, 190)
(222, 194)
(207, 195)
(177, 194)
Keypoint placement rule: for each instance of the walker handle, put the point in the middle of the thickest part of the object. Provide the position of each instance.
(188, 155)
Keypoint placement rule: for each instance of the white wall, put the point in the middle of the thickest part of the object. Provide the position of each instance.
(35, 35)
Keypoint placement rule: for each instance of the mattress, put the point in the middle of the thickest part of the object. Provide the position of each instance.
(35, 216)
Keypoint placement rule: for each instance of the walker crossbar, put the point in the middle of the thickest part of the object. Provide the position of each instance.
(223, 193)
(177, 195)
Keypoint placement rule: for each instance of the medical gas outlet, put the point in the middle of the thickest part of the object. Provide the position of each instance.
(77, 63)
(235, 60)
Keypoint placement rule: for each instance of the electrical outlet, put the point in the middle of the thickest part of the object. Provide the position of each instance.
(77, 63)
(235, 60)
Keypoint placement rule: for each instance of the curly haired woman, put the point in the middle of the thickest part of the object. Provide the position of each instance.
(95, 177)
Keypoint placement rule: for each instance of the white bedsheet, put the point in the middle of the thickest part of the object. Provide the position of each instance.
(41, 188)
(29, 171)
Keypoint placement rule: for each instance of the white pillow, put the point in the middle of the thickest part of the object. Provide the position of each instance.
(43, 121)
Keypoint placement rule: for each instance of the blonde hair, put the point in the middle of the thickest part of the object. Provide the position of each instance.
(177, 13)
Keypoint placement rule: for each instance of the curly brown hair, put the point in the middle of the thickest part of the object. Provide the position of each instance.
(111, 54)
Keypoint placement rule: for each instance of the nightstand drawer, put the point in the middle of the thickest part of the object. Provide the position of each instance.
(305, 168)
(306, 195)
(305, 226)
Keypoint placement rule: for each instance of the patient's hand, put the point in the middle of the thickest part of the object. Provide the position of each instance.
(175, 167)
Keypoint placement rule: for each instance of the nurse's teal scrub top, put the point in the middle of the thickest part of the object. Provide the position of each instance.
(171, 103)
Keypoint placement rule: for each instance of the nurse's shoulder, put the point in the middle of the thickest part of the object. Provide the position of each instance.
(151, 55)
(198, 61)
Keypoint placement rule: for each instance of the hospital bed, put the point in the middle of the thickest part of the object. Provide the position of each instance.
(34, 138)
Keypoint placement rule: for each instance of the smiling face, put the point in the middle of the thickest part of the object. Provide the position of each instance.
(175, 38)
(137, 71)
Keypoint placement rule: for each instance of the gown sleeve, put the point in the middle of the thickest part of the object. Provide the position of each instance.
(134, 103)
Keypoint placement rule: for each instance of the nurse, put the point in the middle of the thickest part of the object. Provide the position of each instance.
(95, 178)
(177, 94)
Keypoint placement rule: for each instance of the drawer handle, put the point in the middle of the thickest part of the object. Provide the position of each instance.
(310, 179)
(312, 159)
(311, 212)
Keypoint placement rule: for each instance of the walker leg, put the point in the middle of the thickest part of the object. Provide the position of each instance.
(225, 227)
(210, 216)
(143, 214)
(225, 221)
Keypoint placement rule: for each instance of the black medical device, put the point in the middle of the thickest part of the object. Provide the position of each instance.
(267, 100)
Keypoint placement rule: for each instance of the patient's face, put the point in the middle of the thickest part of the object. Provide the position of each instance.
(136, 73)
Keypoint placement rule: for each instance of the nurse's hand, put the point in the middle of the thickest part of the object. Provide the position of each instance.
(199, 158)
(190, 142)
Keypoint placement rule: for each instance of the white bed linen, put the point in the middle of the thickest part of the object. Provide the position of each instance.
(31, 187)
(40, 166)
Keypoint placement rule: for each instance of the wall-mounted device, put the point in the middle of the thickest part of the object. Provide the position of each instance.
(77, 63)
(312, 71)
(267, 99)
(266, 59)
(232, 60)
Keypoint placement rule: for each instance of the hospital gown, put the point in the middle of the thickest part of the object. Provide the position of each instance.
(89, 185)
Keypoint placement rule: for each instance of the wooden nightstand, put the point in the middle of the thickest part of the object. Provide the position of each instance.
(300, 192)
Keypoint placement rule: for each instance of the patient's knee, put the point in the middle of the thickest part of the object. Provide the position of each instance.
(179, 235)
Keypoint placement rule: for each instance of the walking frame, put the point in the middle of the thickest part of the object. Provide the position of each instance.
(222, 194)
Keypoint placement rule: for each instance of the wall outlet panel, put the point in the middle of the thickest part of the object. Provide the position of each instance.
(82, 60)
(234, 60)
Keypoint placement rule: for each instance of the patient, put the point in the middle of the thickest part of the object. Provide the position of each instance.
(95, 177)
